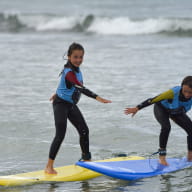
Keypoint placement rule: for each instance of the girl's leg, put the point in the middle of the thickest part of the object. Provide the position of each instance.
(49, 167)
(60, 115)
(185, 122)
(77, 119)
(162, 117)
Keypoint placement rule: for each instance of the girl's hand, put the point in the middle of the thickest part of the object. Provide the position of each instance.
(132, 111)
(102, 100)
(52, 98)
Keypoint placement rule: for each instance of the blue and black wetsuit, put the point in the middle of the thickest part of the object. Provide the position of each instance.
(171, 105)
(64, 107)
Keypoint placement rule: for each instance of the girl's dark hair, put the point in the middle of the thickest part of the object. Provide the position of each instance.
(187, 81)
(74, 46)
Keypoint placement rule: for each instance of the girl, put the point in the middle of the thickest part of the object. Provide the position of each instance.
(172, 104)
(64, 105)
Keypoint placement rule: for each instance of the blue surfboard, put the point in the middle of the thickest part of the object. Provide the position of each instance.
(136, 169)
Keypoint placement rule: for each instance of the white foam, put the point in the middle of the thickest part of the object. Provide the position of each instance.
(125, 26)
(104, 25)
(57, 24)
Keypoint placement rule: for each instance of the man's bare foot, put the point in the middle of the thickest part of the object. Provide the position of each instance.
(162, 160)
(189, 156)
(49, 170)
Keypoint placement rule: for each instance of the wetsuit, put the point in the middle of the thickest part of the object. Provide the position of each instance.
(171, 105)
(64, 107)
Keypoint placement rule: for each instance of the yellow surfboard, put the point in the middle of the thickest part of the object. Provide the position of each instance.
(66, 173)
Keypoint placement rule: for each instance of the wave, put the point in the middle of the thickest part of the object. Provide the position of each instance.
(92, 24)
(46, 23)
(127, 26)
(10, 23)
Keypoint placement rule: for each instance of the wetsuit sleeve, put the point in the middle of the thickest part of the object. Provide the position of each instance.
(86, 91)
(165, 95)
(71, 77)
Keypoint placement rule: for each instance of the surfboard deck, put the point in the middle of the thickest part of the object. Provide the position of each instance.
(66, 173)
(136, 169)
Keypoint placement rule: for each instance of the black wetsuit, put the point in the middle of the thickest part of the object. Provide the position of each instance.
(64, 110)
(163, 116)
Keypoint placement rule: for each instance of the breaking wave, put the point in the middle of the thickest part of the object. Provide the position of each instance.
(15, 23)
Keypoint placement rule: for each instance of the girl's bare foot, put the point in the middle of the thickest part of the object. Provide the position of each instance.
(189, 156)
(49, 170)
(162, 160)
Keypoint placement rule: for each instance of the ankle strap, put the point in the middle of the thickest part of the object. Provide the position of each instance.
(162, 152)
(85, 156)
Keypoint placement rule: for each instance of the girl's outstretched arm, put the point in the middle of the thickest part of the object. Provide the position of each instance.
(72, 78)
(102, 100)
(165, 95)
(130, 110)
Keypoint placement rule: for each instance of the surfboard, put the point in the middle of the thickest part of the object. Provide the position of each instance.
(136, 169)
(66, 173)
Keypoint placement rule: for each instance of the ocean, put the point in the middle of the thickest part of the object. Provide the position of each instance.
(134, 50)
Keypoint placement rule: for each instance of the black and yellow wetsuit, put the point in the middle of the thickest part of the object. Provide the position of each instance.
(175, 109)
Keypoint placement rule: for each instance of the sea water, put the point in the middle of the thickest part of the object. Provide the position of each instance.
(134, 50)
